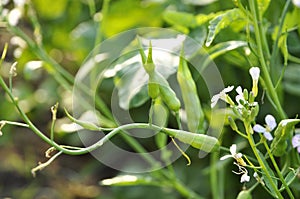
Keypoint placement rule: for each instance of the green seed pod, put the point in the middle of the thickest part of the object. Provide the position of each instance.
(232, 124)
(153, 87)
(160, 118)
(245, 194)
(169, 97)
(199, 141)
(166, 92)
(194, 112)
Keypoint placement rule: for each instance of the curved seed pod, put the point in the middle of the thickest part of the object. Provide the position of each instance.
(170, 98)
(194, 112)
(203, 142)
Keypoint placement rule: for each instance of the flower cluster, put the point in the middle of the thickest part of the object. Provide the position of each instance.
(239, 162)
(245, 105)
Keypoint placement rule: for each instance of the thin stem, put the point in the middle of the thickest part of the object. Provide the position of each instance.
(278, 171)
(267, 79)
(260, 161)
(214, 184)
(184, 191)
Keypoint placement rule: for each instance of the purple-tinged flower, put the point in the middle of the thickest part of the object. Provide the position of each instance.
(296, 142)
(270, 126)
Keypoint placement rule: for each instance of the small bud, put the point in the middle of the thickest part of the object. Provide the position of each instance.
(245, 93)
(232, 124)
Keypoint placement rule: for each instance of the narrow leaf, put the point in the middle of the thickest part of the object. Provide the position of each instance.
(222, 21)
(179, 18)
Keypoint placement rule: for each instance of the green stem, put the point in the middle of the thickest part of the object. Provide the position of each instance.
(259, 42)
(260, 161)
(184, 191)
(278, 171)
(214, 183)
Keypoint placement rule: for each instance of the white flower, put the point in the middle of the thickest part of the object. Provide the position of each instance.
(242, 170)
(240, 95)
(19, 3)
(235, 155)
(270, 126)
(296, 3)
(14, 16)
(4, 2)
(254, 72)
(245, 178)
(222, 95)
(296, 142)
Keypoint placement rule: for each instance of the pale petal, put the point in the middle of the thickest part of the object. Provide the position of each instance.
(225, 157)
(268, 136)
(245, 178)
(233, 149)
(296, 3)
(13, 16)
(239, 155)
(228, 89)
(298, 149)
(239, 90)
(258, 128)
(271, 122)
(254, 72)
(296, 141)
(214, 100)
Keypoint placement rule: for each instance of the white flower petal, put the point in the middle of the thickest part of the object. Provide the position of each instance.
(228, 89)
(13, 16)
(268, 136)
(245, 178)
(233, 149)
(225, 157)
(239, 90)
(271, 122)
(254, 72)
(214, 100)
(298, 149)
(258, 128)
(296, 141)
(239, 155)
(296, 3)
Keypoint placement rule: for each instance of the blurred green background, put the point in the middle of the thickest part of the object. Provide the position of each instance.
(69, 30)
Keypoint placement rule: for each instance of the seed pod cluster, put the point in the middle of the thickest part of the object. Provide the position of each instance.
(158, 85)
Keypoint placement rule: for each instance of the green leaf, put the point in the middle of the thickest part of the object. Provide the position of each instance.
(224, 47)
(222, 21)
(289, 178)
(221, 49)
(266, 180)
(283, 131)
(291, 81)
(263, 5)
(180, 18)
